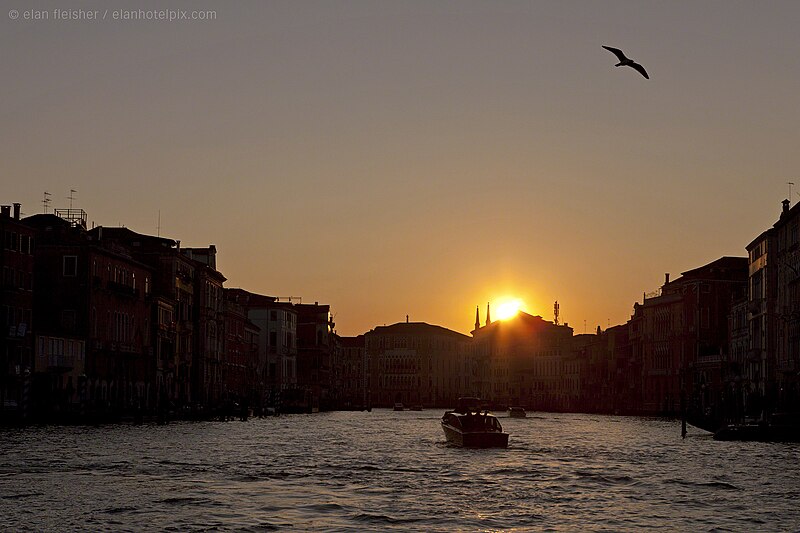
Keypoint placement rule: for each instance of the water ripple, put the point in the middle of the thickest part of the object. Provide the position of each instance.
(393, 471)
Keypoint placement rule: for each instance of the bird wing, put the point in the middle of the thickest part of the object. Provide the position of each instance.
(641, 69)
(617, 52)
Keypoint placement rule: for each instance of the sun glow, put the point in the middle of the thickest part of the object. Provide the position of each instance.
(508, 308)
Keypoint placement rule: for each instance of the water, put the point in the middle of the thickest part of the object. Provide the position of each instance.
(388, 470)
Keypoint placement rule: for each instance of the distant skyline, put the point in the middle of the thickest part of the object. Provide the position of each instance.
(416, 158)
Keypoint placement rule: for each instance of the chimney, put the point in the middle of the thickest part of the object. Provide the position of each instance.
(17, 207)
(5, 211)
(785, 203)
(666, 278)
(212, 256)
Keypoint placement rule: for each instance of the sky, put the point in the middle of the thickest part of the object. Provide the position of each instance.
(415, 158)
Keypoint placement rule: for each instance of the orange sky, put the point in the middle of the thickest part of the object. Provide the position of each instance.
(419, 158)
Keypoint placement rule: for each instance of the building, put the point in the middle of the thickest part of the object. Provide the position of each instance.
(415, 363)
(276, 323)
(209, 336)
(527, 361)
(351, 377)
(762, 300)
(16, 313)
(241, 380)
(91, 307)
(737, 382)
(681, 337)
(172, 310)
(316, 347)
(786, 233)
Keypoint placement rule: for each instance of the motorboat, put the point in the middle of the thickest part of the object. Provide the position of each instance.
(398, 406)
(516, 412)
(468, 427)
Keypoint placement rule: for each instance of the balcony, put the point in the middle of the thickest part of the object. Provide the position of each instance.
(59, 362)
(123, 289)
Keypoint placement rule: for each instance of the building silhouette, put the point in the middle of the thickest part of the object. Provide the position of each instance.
(415, 363)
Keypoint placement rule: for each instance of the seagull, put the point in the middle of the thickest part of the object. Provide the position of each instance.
(625, 62)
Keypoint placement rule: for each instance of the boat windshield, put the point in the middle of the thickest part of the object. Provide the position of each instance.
(452, 419)
(477, 422)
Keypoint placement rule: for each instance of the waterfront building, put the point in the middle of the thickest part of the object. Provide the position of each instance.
(625, 371)
(787, 309)
(737, 379)
(172, 310)
(209, 335)
(16, 312)
(762, 300)
(241, 380)
(588, 381)
(415, 363)
(350, 373)
(93, 341)
(276, 322)
(683, 329)
(316, 348)
(656, 329)
(525, 360)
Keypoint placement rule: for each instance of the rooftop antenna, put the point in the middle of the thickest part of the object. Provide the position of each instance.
(46, 201)
(555, 312)
(71, 197)
(790, 183)
(158, 228)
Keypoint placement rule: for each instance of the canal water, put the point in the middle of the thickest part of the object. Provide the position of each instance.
(386, 470)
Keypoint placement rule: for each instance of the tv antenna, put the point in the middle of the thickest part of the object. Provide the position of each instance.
(71, 197)
(555, 312)
(46, 201)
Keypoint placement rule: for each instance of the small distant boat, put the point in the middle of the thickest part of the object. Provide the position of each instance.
(398, 406)
(516, 412)
(416, 407)
(467, 427)
(776, 430)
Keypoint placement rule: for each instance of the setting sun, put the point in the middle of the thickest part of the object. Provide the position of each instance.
(508, 309)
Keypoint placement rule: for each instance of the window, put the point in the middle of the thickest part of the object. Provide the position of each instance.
(14, 245)
(70, 266)
(68, 320)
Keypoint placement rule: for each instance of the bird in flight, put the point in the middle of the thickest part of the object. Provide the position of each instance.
(625, 62)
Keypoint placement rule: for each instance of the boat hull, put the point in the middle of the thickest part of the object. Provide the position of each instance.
(475, 439)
